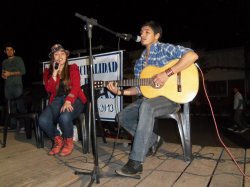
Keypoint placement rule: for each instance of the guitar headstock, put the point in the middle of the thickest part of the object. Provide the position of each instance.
(99, 84)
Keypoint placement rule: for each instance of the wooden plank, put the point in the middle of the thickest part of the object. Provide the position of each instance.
(169, 170)
(22, 164)
(247, 169)
(226, 172)
(148, 167)
(200, 170)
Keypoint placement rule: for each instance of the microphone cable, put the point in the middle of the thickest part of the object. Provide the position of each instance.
(116, 138)
(216, 126)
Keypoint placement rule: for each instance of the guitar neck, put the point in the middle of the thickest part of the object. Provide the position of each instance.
(181, 87)
(133, 82)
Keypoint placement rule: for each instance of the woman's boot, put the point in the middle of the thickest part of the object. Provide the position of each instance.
(57, 146)
(68, 147)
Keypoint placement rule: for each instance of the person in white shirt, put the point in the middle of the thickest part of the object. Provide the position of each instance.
(240, 125)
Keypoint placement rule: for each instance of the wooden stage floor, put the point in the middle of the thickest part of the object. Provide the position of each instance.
(22, 164)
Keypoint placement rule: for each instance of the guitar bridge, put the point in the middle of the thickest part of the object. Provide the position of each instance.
(179, 89)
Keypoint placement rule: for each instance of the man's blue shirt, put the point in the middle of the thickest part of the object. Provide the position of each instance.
(160, 55)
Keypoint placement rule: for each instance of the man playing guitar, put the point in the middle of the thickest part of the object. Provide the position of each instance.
(138, 117)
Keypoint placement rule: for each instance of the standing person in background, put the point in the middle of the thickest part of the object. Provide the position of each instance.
(240, 125)
(62, 82)
(138, 117)
(13, 69)
(1, 99)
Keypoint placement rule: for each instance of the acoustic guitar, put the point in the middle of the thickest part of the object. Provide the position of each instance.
(180, 88)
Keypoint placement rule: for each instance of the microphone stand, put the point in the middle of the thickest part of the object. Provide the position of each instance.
(94, 22)
(96, 172)
(89, 26)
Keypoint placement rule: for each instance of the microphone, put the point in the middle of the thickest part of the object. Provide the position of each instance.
(128, 37)
(56, 66)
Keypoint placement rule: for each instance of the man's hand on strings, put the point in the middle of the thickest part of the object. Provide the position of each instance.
(160, 79)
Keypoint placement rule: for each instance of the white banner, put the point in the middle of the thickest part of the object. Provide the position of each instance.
(106, 67)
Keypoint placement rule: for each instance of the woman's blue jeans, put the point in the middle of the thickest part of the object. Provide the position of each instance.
(138, 119)
(52, 116)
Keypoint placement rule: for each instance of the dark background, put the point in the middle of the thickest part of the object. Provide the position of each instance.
(35, 26)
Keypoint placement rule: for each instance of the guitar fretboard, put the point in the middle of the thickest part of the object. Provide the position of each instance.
(182, 87)
(127, 82)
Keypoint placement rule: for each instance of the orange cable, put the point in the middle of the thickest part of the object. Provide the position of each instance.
(216, 127)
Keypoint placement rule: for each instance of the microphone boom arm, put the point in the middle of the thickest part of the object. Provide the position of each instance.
(94, 23)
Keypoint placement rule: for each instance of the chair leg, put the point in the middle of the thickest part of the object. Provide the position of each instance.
(28, 127)
(37, 135)
(5, 130)
(186, 132)
(85, 138)
(102, 130)
(41, 138)
(183, 122)
(179, 122)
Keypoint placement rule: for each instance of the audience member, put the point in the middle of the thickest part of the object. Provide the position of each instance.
(240, 125)
(13, 69)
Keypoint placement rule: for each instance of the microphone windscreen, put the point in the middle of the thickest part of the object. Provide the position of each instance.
(56, 65)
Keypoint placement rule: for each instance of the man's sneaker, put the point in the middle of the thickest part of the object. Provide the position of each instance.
(233, 129)
(241, 130)
(153, 150)
(131, 169)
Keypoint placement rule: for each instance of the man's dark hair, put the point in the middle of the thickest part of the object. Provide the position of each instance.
(9, 44)
(156, 27)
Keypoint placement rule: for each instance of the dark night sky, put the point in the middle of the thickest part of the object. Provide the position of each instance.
(36, 25)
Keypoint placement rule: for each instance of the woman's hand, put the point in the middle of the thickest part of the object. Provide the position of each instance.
(67, 106)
